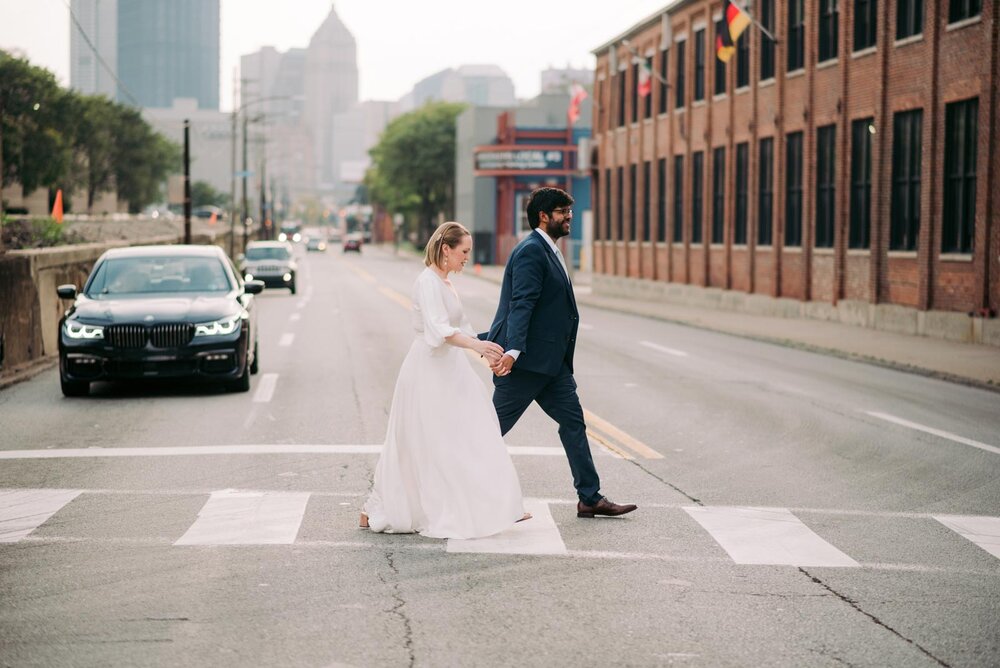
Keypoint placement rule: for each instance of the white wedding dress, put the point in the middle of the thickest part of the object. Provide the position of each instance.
(444, 471)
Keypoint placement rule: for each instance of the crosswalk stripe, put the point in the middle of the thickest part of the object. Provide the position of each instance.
(771, 536)
(262, 449)
(24, 510)
(233, 517)
(539, 535)
(983, 531)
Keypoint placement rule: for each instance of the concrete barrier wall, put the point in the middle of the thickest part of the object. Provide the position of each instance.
(29, 307)
(885, 317)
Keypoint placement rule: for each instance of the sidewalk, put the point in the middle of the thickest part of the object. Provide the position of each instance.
(969, 364)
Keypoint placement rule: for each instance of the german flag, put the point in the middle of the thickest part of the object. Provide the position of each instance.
(736, 19)
(724, 48)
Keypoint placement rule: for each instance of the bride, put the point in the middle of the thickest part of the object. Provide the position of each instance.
(444, 471)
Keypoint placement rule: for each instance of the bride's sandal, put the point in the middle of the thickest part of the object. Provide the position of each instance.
(527, 516)
(363, 522)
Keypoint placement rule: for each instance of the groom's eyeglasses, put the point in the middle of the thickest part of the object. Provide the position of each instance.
(566, 211)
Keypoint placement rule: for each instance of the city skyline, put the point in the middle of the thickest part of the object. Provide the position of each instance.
(523, 40)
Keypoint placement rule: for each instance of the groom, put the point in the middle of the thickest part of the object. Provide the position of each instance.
(536, 323)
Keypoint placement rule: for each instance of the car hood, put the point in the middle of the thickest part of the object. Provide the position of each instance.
(173, 308)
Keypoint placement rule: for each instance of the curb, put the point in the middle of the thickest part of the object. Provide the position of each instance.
(26, 371)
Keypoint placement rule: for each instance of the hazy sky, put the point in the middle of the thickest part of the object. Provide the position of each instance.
(399, 41)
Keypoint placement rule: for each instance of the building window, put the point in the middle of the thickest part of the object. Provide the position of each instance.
(766, 43)
(620, 205)
(620, 118)
(720, 76)
(678, 198)
(964, 9)
(960, 136)
(647, 100)
(829, 21)
(635, 92)
(765, 193)
(909, 18)
(743, 60)
(865, 23)
(719, 195)
(697, 194)
(793, 189)
(633, 231)
(699, 65)
(679, 82)
(796, 36)
(661, 199)
(906, 151)
(607, 205)
(826, 185)
(861, 183)
(742, 181)
(647, 232)
(664, 61)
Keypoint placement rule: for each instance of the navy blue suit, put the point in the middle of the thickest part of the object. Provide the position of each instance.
(537, 315)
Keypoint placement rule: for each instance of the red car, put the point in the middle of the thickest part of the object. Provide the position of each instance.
(352, 243)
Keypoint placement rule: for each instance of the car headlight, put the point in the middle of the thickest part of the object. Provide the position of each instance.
(287, 277)
(248, 277)
(296, 237)
(219, 327)
(282, 237)
(78, 330)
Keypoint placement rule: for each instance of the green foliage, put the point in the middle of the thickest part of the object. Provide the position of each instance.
(34, 233)
(203, 194)
(413, 165)
(56, 138)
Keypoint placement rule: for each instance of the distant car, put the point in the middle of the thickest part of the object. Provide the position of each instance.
(149, 312)
(316, 244)
(352, 242)
(207, 211)
(290, 232)
(272, 262)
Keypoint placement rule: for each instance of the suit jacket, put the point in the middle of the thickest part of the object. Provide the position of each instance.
(537, 312)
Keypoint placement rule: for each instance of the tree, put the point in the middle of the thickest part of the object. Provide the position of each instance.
(143, 160)
(203, 194)
(413, 165)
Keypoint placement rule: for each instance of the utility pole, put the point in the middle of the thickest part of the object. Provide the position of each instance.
(232, 176)
(2, 249)
(246, 211)
(187, 181)
(263, 198)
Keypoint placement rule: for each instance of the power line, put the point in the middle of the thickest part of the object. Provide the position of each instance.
(93, 49)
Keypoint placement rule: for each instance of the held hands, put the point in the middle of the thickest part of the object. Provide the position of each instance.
(502, 367)
(491, 351)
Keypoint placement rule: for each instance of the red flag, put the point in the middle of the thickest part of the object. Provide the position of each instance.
(579, 95)
(645, 78)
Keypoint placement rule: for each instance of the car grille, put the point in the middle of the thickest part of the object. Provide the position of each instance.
(168, 335)
(268, 269)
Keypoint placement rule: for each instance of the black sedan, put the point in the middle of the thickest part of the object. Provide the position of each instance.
(150, 312)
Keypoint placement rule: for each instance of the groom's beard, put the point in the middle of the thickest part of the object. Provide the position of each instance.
(556, 230)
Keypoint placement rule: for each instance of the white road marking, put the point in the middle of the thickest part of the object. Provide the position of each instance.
(264, 449)
(772, 536)
(233, 517)
(302, 303)
(286, 339)
(663, 349)
(539, 535)
(936, 432)
(983, 531)
(24, 510)
(265, 389)
(585, 326)
(296, 317)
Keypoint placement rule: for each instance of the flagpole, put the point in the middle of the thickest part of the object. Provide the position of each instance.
(656, 75)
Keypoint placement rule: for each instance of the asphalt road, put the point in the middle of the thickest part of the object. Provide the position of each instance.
(795, 509)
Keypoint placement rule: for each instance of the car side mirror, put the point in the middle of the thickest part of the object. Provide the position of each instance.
(253, 287)
(67, 291)
(241, 257)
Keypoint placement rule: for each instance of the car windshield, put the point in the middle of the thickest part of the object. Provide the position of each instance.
(145, 275)
(267, 253)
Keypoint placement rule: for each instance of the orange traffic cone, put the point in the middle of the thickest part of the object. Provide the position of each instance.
(57, 208)
(214, 218)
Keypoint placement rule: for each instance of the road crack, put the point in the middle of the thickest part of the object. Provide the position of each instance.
(857, 606)
(398, 608)
(669, 484)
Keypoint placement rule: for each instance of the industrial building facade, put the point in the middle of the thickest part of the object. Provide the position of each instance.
(855, 158)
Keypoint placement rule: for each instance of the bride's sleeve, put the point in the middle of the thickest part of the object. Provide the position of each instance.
(435, 316)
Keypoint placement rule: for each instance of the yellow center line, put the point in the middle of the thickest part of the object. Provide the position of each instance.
(396, 297)
(362, 273)
(607, 445)
(630, 442)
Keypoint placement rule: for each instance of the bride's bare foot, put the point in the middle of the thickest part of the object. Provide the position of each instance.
(363, 522)
(527, 516)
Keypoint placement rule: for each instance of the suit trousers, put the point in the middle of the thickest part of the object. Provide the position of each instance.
(558, 398)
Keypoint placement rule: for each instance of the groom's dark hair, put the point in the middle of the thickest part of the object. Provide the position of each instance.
(544, 200)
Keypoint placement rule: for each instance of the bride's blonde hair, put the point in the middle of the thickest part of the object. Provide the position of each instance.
(447, 234)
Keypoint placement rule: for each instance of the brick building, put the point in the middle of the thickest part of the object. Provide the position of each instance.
(854, 161)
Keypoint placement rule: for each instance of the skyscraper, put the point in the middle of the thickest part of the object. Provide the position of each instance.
(169, 50)
(96, 29)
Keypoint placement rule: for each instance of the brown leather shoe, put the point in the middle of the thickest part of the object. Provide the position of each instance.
(603, 507)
